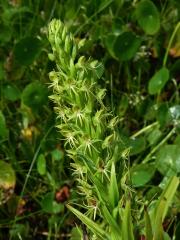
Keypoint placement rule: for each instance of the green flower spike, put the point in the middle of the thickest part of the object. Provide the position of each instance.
(87, 127)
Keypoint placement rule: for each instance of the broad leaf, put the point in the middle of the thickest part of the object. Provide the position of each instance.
(168, 158)
(11, 92)
(148, 16)
(35, 95)
(27, 50)
(142, 174)
(126, 45)
(158, 81)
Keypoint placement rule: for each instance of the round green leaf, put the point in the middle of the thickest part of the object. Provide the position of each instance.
(137, 145)
(148, 16)
(158, 81)
(11, 93)
(41, 164)
(49, 205)
(27, 50)
(142, 174)
(126, 45)
(35, 95)
(168, 158)
(3, 129)
(7, 181)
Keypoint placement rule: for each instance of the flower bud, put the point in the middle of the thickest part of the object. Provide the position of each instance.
(113, 122)
(51, 57)
(64, 34)
(74, 51)
(67, 45)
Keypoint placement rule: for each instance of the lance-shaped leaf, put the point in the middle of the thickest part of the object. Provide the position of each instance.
(94, 227)
(127, 226)
(113, 188)
(161, 208)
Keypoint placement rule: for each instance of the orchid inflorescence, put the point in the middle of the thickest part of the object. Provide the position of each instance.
(92, 140)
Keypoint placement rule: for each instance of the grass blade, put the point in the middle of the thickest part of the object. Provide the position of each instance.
(148, 226)
(162, 207)
(113, 188)
(127, 226)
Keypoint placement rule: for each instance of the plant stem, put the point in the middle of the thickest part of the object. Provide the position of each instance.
(34, 159)
(147, 158)
(170, 43)
(144, 129)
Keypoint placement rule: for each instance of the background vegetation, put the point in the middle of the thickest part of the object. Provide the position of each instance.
(138, 44)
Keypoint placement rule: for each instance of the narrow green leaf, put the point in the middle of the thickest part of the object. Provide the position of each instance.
(158, 81)
(94, 227)
(148, 227)
(99, 187)
(162, 207)
(127, 226)
(115, 229)
(113, 188)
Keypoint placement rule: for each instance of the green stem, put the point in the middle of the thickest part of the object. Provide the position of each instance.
(170, 43)
(147, 158)
(144, 129)
(34, 159)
